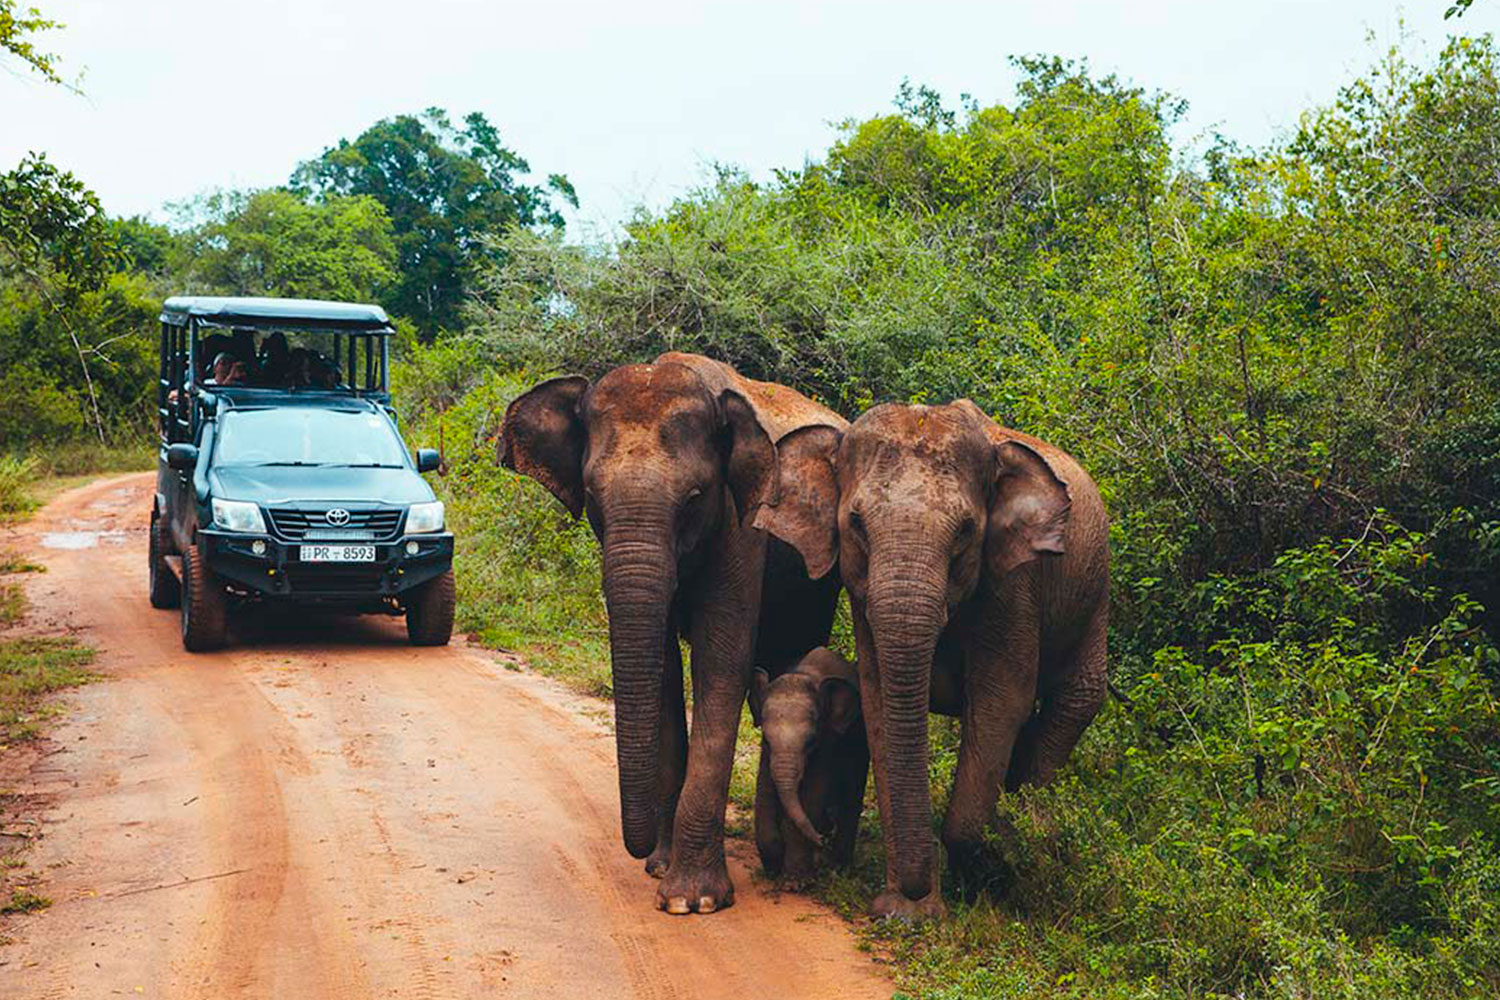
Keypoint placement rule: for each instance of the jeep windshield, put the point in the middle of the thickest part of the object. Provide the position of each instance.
(296, 435)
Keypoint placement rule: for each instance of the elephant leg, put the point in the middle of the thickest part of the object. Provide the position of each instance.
(851, 804)
(722, 635)
(769, 841)
(672, 755)
(1000, 682)
(1067, 709)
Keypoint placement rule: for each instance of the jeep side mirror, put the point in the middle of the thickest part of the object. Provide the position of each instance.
(182, 457)
(428, 459)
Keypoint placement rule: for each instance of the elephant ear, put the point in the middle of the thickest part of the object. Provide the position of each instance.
(840, 703)
(838, 688)
(749, 456)
(544, 435)
(1028, 511)
(805, 515)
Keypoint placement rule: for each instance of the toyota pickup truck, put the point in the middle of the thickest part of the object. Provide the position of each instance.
(282, 475)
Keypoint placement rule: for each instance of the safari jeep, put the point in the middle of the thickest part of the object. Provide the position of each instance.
(281, 474)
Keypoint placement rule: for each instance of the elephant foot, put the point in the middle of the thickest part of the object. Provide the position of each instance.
(703, 890)
(893, 905)
(659, 861)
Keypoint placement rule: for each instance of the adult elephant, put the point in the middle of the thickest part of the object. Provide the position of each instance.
(667, 460)
(977, 564)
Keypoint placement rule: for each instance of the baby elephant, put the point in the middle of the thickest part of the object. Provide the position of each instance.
(813, 764)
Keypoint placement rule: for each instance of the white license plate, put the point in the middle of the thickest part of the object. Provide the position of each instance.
(338, 553)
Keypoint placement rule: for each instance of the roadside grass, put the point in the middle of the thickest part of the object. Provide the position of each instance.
(12, 604)
(28, 481)
(11, 562)
(30, 669)
(18, 475)
(24, 901)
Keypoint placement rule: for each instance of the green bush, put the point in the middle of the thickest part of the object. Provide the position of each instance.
(17, 476)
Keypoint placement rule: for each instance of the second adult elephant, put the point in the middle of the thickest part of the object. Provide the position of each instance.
(666, 460)
(977, 564)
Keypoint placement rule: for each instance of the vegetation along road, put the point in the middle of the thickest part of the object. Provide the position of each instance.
(331, 813)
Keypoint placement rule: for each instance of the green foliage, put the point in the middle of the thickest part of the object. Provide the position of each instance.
(31, 668)
(12, 604)
(52, 227)
(44, 399)
(10, 562)
(274, 243)
(444, 187)
(17, 25)
(17, 475)
(24, 901)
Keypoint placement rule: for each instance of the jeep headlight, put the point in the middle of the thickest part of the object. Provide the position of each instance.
(238, 515)
(424, 517)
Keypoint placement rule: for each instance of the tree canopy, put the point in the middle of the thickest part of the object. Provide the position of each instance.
(445, 187)
(275, 243)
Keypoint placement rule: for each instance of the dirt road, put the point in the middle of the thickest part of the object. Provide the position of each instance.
(332, 813)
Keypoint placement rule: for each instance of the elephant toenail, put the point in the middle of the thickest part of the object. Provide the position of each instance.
(677, 904)
(706, 904)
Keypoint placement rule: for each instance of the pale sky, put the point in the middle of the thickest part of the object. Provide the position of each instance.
(634, 101)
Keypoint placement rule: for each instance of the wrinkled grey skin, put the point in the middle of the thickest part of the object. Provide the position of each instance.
(977, 564)
(814, 763)
(668, 460)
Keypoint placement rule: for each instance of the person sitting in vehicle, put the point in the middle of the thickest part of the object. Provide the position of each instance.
(275, 360)
(209, 348)
(227, 370)
(325, 374)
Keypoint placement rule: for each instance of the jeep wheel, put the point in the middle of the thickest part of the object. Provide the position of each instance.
(429, 612)
(205, 607)
(165, 591)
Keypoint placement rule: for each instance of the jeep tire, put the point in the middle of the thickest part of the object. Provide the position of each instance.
(166, 592)
(429, 612)
(205, 606)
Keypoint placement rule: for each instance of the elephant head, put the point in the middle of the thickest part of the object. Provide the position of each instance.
(930, 502)
(658, 463)
(814, 702)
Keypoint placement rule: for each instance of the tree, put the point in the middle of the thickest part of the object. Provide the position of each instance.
(16, 25)
(54, 235)
(274, 243)
(445, 188)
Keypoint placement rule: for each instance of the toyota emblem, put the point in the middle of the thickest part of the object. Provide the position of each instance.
(338, 517)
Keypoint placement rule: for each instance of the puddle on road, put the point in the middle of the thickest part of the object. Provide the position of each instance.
(81, 539)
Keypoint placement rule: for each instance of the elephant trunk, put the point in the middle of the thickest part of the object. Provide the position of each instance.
(640, 578)
(787, 768)
(907, 609)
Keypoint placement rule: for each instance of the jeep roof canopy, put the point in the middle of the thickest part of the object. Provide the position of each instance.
(275, 314)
